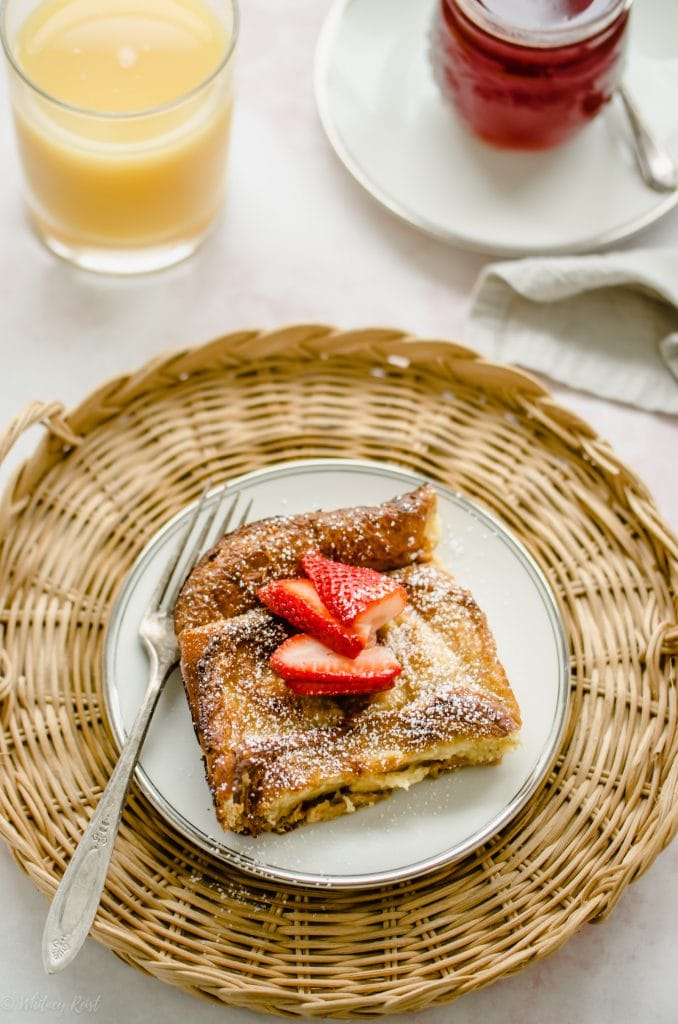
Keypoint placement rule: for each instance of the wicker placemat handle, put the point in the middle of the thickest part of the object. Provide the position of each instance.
(50, 415)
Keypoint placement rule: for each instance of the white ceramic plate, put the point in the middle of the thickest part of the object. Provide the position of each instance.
(436, 821)
(388, 123)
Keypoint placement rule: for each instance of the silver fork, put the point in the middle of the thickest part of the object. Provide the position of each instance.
(77, 898)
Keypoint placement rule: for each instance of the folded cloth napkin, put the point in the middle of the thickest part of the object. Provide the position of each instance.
(606, 323)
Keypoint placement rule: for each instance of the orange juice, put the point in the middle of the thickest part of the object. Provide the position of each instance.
(122, 111)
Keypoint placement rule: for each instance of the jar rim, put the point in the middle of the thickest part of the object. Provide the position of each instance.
(562, 35)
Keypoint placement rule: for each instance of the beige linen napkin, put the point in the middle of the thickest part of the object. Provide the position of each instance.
(606, 323)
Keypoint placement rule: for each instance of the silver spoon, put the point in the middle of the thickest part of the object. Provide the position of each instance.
(655, 163)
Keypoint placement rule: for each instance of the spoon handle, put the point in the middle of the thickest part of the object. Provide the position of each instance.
(655, 164)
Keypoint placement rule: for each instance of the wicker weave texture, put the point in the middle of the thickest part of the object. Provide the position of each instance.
(108, 474)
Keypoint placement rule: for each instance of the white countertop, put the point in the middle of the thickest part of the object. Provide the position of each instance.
(299, 242)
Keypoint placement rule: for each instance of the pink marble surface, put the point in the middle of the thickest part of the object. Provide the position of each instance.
(299, 241)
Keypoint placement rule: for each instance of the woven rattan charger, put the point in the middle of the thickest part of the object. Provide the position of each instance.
(110, 473)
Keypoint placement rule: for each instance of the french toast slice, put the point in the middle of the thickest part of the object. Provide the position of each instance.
(275, 760)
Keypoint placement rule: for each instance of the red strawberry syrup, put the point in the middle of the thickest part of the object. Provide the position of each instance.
(528, 74)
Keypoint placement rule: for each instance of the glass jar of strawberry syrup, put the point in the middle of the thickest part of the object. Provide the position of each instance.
(527, 74)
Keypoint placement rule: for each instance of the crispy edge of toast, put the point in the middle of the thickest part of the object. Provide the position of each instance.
(225, 581)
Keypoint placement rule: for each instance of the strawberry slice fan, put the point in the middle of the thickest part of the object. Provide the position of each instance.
(339, 609)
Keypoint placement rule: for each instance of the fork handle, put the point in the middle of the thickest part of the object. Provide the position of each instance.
(76, 900)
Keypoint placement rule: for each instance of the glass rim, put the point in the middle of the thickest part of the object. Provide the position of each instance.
(112, 115)
(541, 38)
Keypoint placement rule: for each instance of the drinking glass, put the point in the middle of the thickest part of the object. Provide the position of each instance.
(130, 191)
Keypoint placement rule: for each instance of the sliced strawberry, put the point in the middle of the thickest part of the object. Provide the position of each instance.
(303, 688)
(358, 597)
(302, 659)
(299, 603)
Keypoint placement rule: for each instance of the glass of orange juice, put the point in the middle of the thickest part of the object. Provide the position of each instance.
(122, 110)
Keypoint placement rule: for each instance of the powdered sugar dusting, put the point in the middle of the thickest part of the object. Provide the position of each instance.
(272, 756)
(383, 537)
(286, 746)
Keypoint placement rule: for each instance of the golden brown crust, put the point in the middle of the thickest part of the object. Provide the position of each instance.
(274, 759)
(453, 613)
(383, 537)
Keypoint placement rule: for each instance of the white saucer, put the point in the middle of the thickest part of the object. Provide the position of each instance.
(388, 123)
(435, 822)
